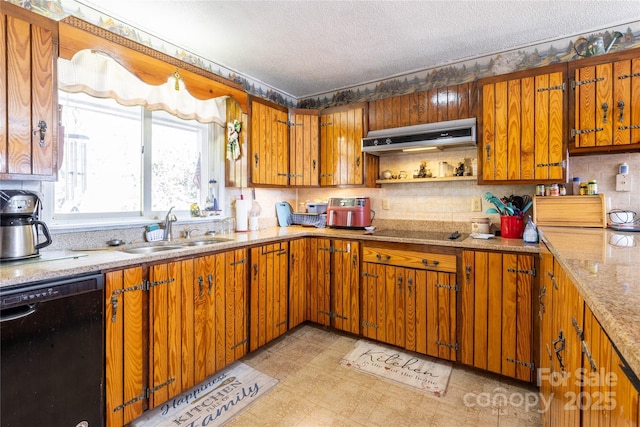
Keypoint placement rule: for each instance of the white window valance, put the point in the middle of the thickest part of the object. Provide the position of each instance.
(101, 76)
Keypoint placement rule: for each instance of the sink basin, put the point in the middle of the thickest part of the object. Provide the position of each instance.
(204, 242)
(150, 249)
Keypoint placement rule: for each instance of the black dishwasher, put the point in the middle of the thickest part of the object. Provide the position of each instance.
(51, 353)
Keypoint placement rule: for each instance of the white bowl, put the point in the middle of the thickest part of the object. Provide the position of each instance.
(369, 229)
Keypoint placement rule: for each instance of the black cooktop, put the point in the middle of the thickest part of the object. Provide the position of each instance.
(453, 236)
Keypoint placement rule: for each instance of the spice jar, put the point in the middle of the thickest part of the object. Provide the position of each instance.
(540, 190)
(592, 188)
(563, 189)
(555, 190)
(583, 189)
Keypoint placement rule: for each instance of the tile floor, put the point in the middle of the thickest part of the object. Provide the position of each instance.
(315, 390)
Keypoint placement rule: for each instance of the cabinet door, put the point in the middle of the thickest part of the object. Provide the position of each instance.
(383, 304)
(522, 128)
(606, 106)
(345, 289)
(544, 313)
(269, 156)
(165, 331)
(568, 312)
(608, 395)
(497, 321)
(124, 343)
(233, 329)
(29, 62)
(341, 157)
(298, 281)
(269, 281)
(319, 293)
(304, 167)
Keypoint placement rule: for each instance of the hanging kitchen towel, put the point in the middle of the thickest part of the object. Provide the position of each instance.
(233, 145)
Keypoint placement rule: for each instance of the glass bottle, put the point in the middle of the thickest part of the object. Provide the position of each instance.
(530, 234)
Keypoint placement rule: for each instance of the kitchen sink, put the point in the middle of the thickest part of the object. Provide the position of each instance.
(150, 249)
(204, 242)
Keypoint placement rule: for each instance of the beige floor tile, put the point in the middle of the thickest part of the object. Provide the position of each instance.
(315, 390)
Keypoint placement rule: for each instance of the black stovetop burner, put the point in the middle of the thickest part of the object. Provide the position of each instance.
(423, 235)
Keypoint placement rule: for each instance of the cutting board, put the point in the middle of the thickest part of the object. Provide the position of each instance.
(570, 211)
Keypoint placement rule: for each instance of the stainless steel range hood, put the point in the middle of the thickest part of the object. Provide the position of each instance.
(432, 136)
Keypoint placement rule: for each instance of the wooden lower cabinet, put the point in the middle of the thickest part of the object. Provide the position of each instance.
(125, 379)
(269, 296)
(496, 314)
(333, 298)
(169, 326)
(298, 281)
(582, 378)
(409, 299)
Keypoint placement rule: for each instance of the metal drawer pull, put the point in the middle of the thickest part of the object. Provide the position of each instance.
(435, 263)
(386, 258)
(605, 109)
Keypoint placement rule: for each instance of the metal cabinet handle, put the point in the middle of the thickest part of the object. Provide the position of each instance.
(200, 285)
(114, 308)
(293, 261)
(468, 273)
(542, 294)
(605, 109)
(435, 263)
(557, 349)
(314, 165)
(358, 161)
(255, 156)
(354, 261)
(255, 271)
(210, 277)
(399, 283)
(488, 149)
(386, 258)
(409, 284)
(621, 107)
(42, 129)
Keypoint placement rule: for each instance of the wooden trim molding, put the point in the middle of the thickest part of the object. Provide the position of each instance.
(149, 65)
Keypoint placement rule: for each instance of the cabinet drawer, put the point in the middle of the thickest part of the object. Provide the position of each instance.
(412, 259)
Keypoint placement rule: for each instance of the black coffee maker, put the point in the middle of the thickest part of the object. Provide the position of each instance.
(19, 225)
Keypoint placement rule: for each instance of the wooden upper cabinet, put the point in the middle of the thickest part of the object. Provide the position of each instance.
(304, 139)
(605, 112)
(29, 128)
(521, 127)
(436, 105)
(269, 150)
(342, 161)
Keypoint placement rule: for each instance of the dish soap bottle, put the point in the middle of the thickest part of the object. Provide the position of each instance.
(530, 234)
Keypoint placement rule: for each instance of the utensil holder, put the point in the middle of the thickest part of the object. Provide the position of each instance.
(511, 227)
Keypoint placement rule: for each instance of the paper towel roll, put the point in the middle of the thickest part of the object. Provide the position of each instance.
(242, 214)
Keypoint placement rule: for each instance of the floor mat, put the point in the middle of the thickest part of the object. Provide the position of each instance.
(420, 372)
(213, 402)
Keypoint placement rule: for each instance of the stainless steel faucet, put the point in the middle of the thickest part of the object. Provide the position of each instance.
(168, 220)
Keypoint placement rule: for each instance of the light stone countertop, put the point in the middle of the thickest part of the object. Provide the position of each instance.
(605, 267)
(606, 275)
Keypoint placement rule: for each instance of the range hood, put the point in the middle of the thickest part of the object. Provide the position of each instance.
(431, 136)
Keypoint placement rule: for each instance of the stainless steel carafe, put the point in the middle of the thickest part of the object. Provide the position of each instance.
(19, 225)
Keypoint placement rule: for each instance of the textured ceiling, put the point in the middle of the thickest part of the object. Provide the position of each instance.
(305, 48)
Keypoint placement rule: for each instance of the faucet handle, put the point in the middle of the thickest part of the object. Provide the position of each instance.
(187, 233)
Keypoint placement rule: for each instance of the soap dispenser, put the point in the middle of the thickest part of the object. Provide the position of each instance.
(530, 234)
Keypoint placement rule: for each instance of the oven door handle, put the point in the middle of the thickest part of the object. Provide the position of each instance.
(27, 310)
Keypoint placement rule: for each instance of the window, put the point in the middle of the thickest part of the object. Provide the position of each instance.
(125, 161)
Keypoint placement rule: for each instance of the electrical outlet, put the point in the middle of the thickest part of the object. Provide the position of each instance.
(385, 204)
(623, 182)
(476, 204)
